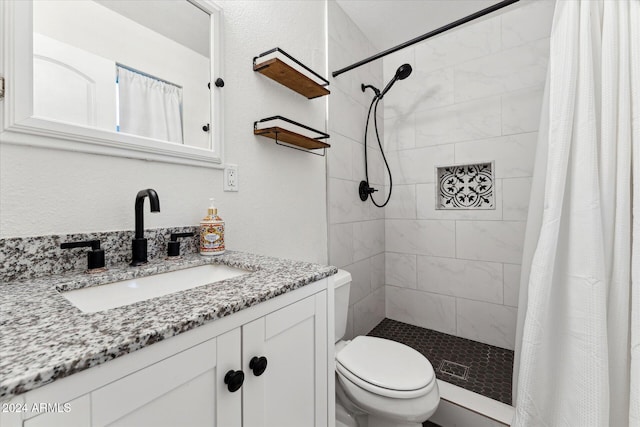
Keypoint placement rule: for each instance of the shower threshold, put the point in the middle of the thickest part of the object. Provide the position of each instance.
(473, 376)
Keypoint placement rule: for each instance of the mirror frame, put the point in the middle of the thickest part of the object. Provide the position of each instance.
(19, 127)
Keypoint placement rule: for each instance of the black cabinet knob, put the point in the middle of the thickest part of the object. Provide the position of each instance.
(258, 365)
(233, 380)
(219, 83)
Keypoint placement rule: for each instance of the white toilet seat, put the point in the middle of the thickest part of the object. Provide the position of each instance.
(403, 412)
(381, 391)
(386, 368)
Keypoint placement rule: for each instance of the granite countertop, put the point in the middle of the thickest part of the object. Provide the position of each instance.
(43, 337)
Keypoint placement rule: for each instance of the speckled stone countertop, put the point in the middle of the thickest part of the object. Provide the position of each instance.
(43, 337)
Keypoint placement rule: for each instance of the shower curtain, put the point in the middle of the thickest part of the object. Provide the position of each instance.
(578, 339)
(149, 107)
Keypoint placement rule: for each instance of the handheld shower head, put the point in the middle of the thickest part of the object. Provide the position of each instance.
(402, 73)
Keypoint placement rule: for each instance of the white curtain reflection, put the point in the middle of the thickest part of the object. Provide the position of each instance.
(149, 107)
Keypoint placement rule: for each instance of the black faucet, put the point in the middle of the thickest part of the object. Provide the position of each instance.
(139, 243)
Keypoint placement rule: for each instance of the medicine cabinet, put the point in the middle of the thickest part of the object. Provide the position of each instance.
(73, 72)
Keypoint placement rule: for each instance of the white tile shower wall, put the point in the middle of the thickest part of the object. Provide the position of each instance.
(356, 229)
(474, 96)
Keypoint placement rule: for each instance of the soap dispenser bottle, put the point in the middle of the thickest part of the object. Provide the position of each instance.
(212, 232)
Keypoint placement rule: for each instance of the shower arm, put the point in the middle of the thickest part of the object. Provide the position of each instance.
(373, 88)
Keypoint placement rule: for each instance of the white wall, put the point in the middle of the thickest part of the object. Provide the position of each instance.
(280, 209)
(356, 228)
(474, 96)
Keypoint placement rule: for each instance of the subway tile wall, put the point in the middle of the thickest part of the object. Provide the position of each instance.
(474, 96)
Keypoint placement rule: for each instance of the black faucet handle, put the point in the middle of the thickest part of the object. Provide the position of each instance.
(95, 257)
(175, 236)
(173, 247)
(95, 244)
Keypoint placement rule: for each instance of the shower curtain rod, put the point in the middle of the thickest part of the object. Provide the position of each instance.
(430, 34)
(142, 73)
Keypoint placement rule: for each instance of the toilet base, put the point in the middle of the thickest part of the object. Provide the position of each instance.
(344, 418)
(393, 412)
(379, 422)
(349, 415)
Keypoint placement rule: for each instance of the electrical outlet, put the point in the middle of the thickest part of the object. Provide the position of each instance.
(231, 177)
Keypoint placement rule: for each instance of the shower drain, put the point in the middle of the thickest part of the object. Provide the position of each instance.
(454, 369)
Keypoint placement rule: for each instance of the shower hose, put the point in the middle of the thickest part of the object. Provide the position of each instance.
(374, 106)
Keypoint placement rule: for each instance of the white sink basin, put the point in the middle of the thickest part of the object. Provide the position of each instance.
(118, 294)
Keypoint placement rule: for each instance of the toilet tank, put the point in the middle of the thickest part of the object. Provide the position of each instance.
(342, 284)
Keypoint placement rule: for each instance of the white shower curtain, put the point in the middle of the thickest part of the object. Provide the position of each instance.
(578, 340)
(149, 107)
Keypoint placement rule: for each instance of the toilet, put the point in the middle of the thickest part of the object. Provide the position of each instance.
(379, 382)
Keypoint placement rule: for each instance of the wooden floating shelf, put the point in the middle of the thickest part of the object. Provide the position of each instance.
(290, 77)
(283, 135)
(286, 75)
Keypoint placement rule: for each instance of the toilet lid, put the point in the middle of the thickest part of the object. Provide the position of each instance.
(385, 363)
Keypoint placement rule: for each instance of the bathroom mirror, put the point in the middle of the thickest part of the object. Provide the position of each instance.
(132, 78)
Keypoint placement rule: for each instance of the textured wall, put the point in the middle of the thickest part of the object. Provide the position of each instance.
(474, 96)
(280, 209)
(356, 229)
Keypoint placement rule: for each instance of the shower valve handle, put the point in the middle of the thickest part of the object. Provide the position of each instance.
(365, 190)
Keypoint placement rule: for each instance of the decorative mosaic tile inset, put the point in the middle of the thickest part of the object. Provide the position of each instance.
(489, 368)
(465, 187)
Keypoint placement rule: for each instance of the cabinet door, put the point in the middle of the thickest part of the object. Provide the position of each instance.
(179, 390)
(292, 391)
(229, 404)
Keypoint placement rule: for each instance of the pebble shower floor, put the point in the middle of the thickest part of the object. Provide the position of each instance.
(478, 367)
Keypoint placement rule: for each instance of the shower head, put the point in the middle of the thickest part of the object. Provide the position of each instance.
(402, 73)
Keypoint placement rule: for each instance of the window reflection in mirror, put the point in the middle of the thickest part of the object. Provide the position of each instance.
(129, 66)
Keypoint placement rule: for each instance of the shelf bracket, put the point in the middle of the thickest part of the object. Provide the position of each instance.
(324, 150)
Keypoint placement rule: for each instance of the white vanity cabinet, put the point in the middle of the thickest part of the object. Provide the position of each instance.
(292, 390)
(181, 381)
(180, 390)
